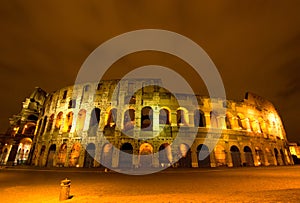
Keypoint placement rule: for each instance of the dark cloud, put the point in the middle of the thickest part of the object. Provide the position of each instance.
(255, 45)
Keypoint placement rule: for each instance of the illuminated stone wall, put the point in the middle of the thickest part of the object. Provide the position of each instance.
(76, 121)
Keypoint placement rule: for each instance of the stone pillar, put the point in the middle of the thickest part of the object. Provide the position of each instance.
(228, 158)
(69, 148)
(155, 160)
(207, 119)
(212, 159)
(81, 156)
(194, 158)
(243, 157)
(115, 158)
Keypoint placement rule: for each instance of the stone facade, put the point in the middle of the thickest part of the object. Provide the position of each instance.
(84, 124)
(16, 144)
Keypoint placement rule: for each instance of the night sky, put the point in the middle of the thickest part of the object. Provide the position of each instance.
(254, 44)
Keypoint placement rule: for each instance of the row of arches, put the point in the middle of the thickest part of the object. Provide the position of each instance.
(47, 124)
(239, 122)
(235, 157)
(257, 125)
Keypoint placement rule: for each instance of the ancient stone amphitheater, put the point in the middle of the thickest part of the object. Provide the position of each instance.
(89, 125)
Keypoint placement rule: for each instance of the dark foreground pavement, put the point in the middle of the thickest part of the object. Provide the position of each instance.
(260, 184)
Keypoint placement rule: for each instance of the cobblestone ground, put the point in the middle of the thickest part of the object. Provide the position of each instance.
(260, 184)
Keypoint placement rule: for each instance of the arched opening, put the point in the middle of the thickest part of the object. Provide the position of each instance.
(42, 154)
(181, 117)
(23, 151)
(199, 118)
(58, 121)
(32, 118)
(62, 155)
(112, 118)
(203, 156)
(51, 155)
(165, 155)
(214, 120)
(80, 120)
(50, 123)
(220, 155)
(29, 128)
(85, 92)
(72, 104)
(248, 157)
(89, 155)
(125, 156)
(68, 122)
(186, 156)
(270, 157)
(164, 116)
(129, 119)
(145, 155)
(259, 156)
(74, 155)
(94, 122)
(147, 118)
(236, 156)
(106, 156)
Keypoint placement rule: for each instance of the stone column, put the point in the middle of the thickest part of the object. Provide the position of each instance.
(115, 158)
(194, 158)
(228, 158)
(212, 159)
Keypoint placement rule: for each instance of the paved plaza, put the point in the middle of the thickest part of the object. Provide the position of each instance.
(259, 184)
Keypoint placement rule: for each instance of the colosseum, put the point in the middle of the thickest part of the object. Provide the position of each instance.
(86, 125)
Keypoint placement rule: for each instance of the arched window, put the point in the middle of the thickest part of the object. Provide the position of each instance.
(112, 118)
(80, 120)
(146, 118)
(199, 118)
(68, 122)
(58, 121)
(72, 103)
(95, 117)
(164, 116)
(181, 117)
(129, 119)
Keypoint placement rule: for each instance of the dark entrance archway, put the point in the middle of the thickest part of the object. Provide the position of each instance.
(106, 155)
(146, 155)
(125, 156)
(248, 157)
(89, 155)
(203, 156)
(165, 155)
(236, 156)
(42, 153)
(51, 154)
(186, 156)
(260, 156)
